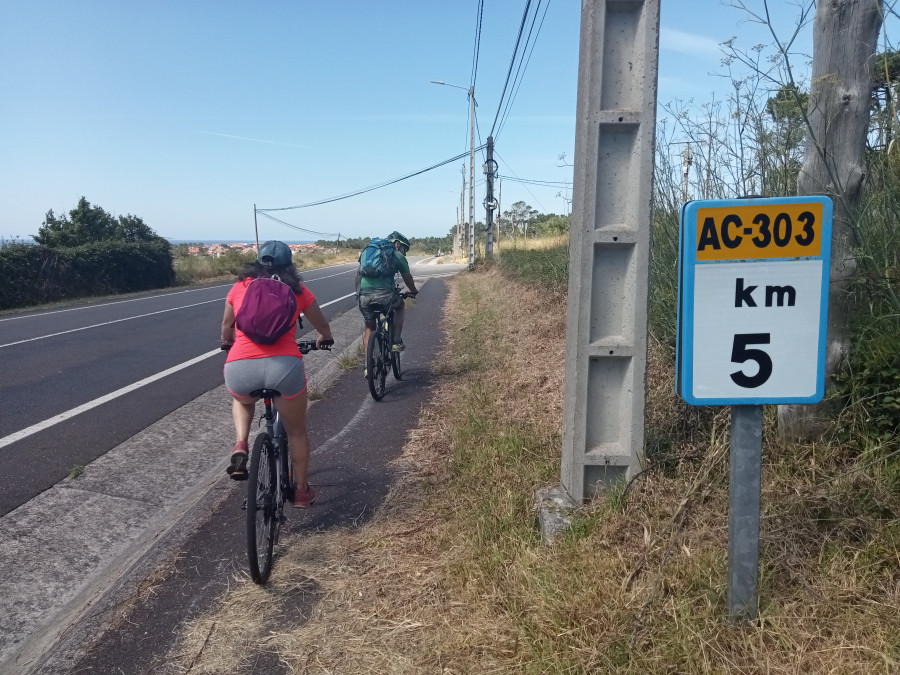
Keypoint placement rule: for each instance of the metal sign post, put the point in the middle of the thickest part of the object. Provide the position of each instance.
(745, 473)
(752, 318)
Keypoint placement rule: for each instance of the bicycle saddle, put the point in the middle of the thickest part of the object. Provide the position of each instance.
(265, 393)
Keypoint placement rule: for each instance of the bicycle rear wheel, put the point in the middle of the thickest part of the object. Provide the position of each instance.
(376, 364)
(262, 516)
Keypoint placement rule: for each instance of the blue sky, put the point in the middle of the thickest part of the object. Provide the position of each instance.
(189, 113)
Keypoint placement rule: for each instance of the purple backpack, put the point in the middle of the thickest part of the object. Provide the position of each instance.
(267, 311)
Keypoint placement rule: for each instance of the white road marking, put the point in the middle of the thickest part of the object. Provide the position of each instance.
(115, 302)
(40, 426)
(151, 297)
(106, 323)
(139, 316)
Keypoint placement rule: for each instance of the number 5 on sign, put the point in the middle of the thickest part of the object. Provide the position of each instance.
(753, 300)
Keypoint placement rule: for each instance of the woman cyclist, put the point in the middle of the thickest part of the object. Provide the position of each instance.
(251, 366)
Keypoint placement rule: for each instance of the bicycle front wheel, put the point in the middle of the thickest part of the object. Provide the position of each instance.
(262, 516)
(396, 366)
(376, 364)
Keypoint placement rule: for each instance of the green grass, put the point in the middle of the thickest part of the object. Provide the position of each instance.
(546, 267)
(350, 361)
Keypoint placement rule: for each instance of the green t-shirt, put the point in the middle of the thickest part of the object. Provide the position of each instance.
(367, 283)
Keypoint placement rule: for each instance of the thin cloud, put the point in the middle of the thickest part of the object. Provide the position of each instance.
(689, 43)
(253, 140)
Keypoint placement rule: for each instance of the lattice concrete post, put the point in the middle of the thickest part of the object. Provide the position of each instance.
(606, 355)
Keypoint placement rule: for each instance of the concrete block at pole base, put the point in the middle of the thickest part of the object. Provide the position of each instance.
(555, 510)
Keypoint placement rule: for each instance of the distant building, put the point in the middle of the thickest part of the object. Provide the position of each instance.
(217, 250)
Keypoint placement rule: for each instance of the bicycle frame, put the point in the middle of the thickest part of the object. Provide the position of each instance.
(275, 430)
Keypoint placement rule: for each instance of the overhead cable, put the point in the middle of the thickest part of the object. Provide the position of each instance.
(520, 72)
(370, 189)
(477, 48)
(512, 62)
(538, 201)
(545, 183)
(300, 229)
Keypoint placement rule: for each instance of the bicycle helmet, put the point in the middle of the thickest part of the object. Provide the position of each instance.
(396, 236)
(275, 254)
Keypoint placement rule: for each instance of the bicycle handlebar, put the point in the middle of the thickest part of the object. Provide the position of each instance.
(305, 346)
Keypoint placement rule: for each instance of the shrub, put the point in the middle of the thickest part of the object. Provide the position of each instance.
(38, 274)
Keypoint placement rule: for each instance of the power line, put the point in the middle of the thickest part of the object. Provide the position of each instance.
(512, 62)
(299, 229)
(477, 48)
(520, 74)
(538, 201)
(545, 183)
(369, 189)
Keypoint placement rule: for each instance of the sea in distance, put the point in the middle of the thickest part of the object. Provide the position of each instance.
(207, 242)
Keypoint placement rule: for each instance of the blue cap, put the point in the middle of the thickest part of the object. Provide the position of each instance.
(275, 253)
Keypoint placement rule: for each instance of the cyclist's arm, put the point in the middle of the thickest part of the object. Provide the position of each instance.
(410, 283)
(319, 322)
(228, 325)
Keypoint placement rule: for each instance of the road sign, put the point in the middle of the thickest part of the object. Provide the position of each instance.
(753, 300)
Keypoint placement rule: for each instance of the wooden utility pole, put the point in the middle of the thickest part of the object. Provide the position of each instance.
(845, 36)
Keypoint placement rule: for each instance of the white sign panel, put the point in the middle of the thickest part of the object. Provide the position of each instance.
(752, 307)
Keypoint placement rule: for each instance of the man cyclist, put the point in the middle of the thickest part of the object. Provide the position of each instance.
(381, 290)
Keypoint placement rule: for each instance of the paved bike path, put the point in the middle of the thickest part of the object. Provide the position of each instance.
(152, 533)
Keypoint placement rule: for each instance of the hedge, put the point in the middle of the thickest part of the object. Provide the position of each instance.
(36, 275)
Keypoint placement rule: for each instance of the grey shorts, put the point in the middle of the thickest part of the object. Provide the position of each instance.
(388, 298)
(285, 374)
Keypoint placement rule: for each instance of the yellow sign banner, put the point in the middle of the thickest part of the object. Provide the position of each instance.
(791, 230)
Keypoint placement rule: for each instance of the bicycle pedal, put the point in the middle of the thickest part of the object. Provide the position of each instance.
(236, 475)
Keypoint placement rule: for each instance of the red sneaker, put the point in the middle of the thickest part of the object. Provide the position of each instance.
(238, 467)
(303, 499)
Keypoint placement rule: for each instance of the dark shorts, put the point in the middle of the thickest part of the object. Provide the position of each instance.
(284, 374)
(388, 298)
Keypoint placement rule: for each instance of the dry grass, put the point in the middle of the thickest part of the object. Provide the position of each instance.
(451, 576)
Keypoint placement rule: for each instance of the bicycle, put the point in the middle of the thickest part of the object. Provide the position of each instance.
(269, 483)
(379, 353)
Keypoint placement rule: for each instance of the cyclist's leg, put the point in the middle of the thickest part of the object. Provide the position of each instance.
(399, 314)
(368, 318)
(240, 381)
(289, 377)
(242, 409)
(293, 416)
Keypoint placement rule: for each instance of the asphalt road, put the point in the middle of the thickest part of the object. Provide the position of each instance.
(57, 360)
(72, 551)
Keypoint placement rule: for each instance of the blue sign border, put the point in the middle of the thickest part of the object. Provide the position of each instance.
(687, 262)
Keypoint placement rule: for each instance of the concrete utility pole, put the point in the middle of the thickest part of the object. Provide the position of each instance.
(472, 176)
(471, 91)
(490, 170)
(256, 228)
(462, 212)
(606, 337)
(499, 212)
